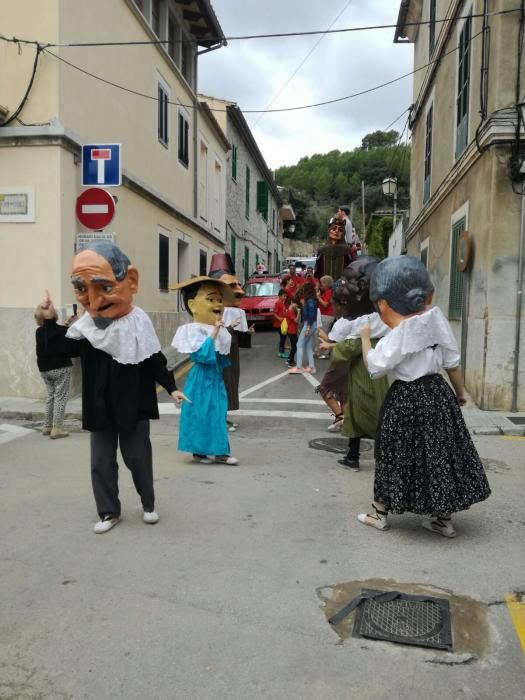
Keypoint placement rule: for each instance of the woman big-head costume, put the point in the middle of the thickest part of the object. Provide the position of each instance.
(403, 283)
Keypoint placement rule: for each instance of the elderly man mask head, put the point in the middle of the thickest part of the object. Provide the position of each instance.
(104, 282)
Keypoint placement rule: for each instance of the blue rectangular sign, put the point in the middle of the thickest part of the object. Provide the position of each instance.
(101, 165)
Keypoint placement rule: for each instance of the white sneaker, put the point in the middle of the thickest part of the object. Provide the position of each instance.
(443, 526)
(202, 459)
(104, 525)
(150, 517)
(226, 459)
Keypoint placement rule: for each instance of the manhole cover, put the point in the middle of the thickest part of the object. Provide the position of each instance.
(407, 619)
(338, 445)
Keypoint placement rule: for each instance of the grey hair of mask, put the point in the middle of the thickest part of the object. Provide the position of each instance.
(118, 260)
(403, 282)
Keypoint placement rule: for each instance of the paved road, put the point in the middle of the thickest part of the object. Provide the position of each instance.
(227, 597)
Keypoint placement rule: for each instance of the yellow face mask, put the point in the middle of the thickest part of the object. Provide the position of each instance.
(207, 306)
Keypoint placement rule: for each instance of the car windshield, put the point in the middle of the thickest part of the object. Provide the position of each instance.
(262, 289)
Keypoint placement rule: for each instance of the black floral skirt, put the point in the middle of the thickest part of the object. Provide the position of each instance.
(426, 461)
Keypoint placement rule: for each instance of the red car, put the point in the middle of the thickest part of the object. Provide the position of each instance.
(261, 293)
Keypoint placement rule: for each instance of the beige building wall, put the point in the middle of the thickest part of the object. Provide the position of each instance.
(159, 196)
(476, 185)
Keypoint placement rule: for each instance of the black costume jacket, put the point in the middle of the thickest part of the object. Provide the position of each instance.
(116, 396)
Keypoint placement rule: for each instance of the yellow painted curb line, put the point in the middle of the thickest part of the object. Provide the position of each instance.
(516, 606)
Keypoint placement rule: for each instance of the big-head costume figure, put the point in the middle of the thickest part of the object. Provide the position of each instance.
(234, 318)
(121, 361)
(365, 396)
(203, 430)
(336, 254)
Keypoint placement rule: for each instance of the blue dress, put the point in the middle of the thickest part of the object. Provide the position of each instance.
(202, 427)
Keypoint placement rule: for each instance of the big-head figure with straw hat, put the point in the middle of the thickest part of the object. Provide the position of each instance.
(221, 267)
(202, 429)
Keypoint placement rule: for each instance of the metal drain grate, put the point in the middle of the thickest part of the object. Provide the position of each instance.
(517, 420)
(407, 619)
(337, 444)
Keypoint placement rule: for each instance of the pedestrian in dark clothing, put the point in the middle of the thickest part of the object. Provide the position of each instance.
(54, 364)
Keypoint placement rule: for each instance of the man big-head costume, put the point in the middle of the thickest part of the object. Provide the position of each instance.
(121, 361)
(234, 318)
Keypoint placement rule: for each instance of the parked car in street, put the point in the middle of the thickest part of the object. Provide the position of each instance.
(261, 293)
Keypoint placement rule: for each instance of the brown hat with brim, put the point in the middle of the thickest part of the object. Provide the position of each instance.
(227, 293)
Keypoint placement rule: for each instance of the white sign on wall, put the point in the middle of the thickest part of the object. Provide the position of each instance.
(84, 239)
(17, 204)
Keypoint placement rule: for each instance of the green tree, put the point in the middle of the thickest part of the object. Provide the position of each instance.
(322, 182)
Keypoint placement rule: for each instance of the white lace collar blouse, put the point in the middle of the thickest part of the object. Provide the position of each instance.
(420, 345)
(190, 337)
(129, 339)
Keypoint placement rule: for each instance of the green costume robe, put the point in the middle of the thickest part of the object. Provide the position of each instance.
(365, 395)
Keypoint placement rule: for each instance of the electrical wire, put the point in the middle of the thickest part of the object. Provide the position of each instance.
(256, 111)
(246, 37)
(301, 64)
(20, 107)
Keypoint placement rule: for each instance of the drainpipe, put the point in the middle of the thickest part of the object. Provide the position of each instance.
(519, 295)
(196, 108)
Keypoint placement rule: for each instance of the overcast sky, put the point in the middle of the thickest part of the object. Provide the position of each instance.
(252, 72)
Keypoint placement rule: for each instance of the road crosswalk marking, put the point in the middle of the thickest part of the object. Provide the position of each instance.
(12, 432)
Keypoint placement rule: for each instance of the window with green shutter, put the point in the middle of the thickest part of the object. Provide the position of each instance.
(455, 299)
(234, 162)
(462, 97)
(247, 194)
(246, 263)
(233, 249)
(262, 198)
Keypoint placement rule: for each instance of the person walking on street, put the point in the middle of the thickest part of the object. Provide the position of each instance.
(121, 363)
(53, 358)
(292, 319)
(426, 462)
(279, 313)
(305, 344)
(326, 307)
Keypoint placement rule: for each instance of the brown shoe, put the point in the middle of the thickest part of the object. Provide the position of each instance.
(57, 433)
(46, 431)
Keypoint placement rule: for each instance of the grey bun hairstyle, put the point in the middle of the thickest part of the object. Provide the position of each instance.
(403, 282)
(118, 260)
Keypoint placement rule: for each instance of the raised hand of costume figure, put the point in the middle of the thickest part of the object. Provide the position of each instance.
(179, 397)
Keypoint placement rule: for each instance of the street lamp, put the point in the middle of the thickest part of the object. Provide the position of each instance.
(390, 190)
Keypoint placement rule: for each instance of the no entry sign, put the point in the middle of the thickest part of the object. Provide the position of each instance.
(95, 208)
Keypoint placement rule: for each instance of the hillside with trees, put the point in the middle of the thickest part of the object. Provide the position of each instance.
(318, 184)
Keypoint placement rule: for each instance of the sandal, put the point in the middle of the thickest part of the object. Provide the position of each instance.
(379, 520)
(440, 525)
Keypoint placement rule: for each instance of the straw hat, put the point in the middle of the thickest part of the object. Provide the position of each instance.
(227, 293)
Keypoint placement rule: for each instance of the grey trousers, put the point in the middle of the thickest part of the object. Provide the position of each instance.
(57, 387)
(135, 447)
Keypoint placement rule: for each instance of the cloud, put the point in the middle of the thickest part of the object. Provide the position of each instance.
(252, 72)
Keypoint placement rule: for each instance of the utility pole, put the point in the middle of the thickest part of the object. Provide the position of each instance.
(363, 207)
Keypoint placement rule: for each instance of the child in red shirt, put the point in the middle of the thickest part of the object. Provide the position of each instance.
(291, 316)
(279, 313)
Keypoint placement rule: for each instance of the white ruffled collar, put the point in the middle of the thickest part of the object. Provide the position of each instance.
(129, 339)
(232, 314)
(190, 337)
(422, 331)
